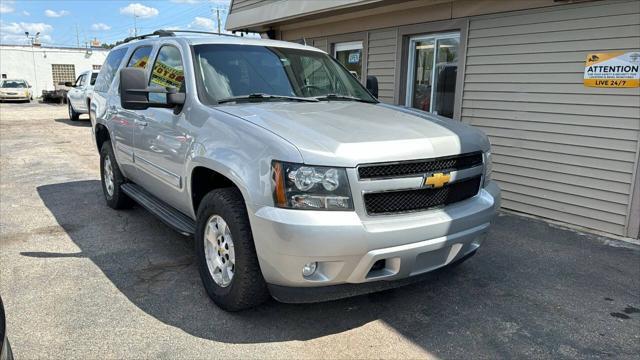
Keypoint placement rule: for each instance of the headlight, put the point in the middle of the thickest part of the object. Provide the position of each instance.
(488, 166)
(298, 186)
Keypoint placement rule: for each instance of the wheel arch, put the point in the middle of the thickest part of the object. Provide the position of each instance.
(101, 134)
(204, 178)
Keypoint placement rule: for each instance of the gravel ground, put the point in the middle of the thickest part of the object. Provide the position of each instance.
(80, 280)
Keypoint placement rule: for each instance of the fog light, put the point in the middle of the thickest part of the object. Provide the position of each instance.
(309, 268)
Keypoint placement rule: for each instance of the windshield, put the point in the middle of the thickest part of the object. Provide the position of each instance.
(13, 84)
(225, 71)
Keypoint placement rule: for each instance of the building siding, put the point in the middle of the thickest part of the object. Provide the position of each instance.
(320, 43)
(381, 61)
(561, 150)
(240, 5)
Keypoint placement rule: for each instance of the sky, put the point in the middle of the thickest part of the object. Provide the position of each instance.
(65, 22)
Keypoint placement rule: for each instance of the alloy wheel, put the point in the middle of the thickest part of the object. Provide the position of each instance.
(108, 175)
(219, 250)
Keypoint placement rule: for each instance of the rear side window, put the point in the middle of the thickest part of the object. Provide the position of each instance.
(140, 57)
(108, 71)
(93, 78)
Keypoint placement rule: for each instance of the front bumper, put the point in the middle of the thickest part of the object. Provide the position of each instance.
(347, 246)
(4, 97)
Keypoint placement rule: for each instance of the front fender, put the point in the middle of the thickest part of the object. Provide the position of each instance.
(240, 151)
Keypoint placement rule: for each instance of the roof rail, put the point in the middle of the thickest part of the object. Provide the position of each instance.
(201, 32)
(164, 33)
(160, 33)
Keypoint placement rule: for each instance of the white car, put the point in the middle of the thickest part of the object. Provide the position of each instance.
(79, 96)
(15, 90)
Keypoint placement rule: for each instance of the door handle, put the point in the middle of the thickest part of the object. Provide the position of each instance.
(140, 122)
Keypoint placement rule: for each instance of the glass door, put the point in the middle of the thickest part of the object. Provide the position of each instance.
(349, 54)
(432, 70)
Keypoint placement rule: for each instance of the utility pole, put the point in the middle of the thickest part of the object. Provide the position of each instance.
(77, 37)
(135, 23)
(218, 15)
(33, 58)
(217, 19)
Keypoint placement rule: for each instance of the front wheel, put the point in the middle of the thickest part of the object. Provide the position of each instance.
(226, 254)
(73, 115)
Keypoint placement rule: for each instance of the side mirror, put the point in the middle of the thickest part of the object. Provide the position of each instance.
(372, 85)
(133, 83)
(134, 93)
(68, 84)
(175, 98)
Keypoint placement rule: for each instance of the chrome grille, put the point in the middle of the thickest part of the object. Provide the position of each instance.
(391, 202)
(420, 167)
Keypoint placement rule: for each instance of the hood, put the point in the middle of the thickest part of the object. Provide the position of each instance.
(344, 133)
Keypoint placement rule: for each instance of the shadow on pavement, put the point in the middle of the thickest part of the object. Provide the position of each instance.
(532, 290)
(81, 122)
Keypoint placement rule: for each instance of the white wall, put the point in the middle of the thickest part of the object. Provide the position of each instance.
(34, 64)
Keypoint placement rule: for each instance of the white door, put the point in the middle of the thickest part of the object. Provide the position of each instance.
(76, 92)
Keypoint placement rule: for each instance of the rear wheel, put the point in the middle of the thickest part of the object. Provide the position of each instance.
(73, 115)
(112, 179)
(226, 254)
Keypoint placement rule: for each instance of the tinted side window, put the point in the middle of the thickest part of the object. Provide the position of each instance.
(167, 72)
(140, 57)
(108, 70)
(93, 78)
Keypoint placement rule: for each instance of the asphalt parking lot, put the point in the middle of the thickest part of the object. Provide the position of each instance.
(80, 280)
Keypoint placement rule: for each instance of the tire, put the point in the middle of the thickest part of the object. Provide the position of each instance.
(112, 190)
(247, 287)
(73, 115)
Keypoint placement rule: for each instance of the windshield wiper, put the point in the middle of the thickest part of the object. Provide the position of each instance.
(342, 97)
(259, 97)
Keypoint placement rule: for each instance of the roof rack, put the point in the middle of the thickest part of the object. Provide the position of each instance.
(160, 33)
(201, 32)
(165, 33)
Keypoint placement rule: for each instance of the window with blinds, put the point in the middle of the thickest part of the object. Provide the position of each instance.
(62, 73)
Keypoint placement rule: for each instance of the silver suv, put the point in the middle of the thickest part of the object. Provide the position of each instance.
(292, 178)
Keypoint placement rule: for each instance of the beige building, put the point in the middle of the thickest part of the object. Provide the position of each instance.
(515, 69)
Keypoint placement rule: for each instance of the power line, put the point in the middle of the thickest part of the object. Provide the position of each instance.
(122, 31)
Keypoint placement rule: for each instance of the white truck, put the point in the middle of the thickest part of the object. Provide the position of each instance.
(79, 97)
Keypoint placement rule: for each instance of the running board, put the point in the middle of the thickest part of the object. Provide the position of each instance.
(170, 216)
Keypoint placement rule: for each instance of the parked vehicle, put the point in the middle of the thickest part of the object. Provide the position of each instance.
(79, 96)
(16, 90)
(5, 348)
(58, 94)
(293, 179)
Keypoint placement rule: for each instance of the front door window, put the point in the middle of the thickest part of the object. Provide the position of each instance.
(167, 72)
(349, 54)
(433, 66)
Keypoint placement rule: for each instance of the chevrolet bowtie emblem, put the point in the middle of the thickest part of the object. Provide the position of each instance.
(437, 180)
